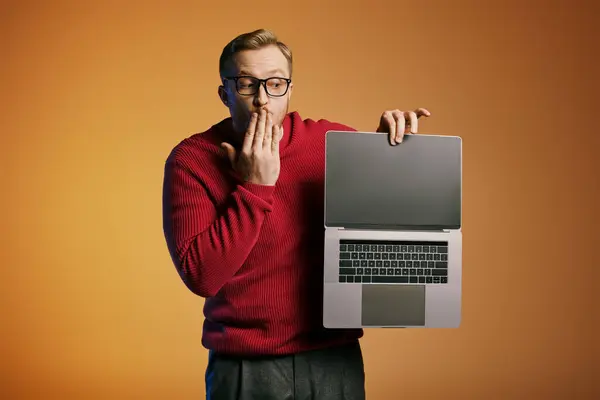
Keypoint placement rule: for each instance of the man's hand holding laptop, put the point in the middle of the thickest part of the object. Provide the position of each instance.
(397, 123)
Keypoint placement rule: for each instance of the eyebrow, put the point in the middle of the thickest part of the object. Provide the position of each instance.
(270, 73)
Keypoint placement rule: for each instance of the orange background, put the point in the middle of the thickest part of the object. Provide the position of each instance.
(95, 95)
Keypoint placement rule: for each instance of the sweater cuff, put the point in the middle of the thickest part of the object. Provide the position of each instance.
(263, 192)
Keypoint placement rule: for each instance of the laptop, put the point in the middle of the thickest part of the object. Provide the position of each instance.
(393, 240)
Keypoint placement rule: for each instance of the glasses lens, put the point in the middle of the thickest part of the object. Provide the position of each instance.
(247, 85)
(276, 86)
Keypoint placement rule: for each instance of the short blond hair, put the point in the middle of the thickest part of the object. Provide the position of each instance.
(252, 41)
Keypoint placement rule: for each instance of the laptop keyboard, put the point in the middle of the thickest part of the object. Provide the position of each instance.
(371, 261)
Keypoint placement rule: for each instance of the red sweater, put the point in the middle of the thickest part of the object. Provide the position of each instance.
(254, 252)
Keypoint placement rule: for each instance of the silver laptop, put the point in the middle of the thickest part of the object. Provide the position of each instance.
(393, 240)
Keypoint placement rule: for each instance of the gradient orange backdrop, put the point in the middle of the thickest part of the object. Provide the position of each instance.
(95, 95)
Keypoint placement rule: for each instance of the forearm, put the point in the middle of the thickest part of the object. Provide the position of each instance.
(209, 247)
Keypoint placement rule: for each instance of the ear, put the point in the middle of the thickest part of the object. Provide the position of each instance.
(223, 96)
(290, 90)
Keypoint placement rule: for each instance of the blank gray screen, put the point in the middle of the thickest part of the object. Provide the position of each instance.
(414, 184)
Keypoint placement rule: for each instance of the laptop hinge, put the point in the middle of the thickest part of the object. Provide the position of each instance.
(445, 230)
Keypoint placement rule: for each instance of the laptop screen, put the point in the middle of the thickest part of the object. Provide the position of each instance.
(371, 184)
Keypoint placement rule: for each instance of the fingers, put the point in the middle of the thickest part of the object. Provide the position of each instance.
(388, 119)
(250, 133)
(422, 112)
(411, 117)
(260, 131)
(261, 134)
(277, 135)
(268, 133)
(400, 125)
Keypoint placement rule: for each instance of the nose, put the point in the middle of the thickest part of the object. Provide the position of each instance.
(261, 98)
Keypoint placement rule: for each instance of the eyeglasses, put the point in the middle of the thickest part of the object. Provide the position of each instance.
(248, 85)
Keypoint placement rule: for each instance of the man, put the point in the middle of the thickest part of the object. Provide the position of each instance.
(243, 220)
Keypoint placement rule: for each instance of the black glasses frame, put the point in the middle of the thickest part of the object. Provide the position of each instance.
(262, 82)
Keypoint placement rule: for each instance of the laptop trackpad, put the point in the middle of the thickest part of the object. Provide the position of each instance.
(393, 305)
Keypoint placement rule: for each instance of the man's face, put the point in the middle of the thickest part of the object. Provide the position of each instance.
(264, 63)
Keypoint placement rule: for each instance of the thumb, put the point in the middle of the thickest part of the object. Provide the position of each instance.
(230, 152)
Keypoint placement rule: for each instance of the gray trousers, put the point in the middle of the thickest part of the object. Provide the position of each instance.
(329, 374)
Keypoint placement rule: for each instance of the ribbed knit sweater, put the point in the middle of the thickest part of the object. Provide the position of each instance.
(254, 252)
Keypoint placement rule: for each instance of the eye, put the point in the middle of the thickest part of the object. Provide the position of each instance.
(246, 82)
(275, 82)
